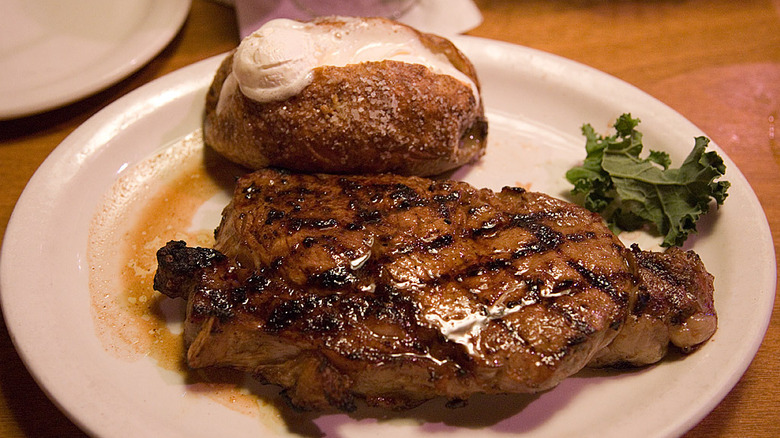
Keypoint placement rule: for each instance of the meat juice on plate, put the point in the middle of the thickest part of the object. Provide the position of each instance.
(173, 195)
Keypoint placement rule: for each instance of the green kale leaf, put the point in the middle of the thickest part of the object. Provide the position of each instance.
(632, 192)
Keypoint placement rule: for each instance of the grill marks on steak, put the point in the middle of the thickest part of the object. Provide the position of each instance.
(399, 289)
(674, 305)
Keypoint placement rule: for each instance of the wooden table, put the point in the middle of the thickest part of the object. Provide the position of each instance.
(716, 62)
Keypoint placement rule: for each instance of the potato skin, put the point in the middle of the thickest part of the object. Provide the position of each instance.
(372, 117)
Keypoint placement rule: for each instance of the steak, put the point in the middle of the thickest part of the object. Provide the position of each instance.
(674, 305)
(396, 290)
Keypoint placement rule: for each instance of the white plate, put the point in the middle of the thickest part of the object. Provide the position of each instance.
(55, 52)
(536, 104)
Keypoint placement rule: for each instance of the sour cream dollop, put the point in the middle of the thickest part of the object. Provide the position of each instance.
(276, 61)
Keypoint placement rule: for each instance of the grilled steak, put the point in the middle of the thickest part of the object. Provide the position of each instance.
(674, 304)
(397, 289)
